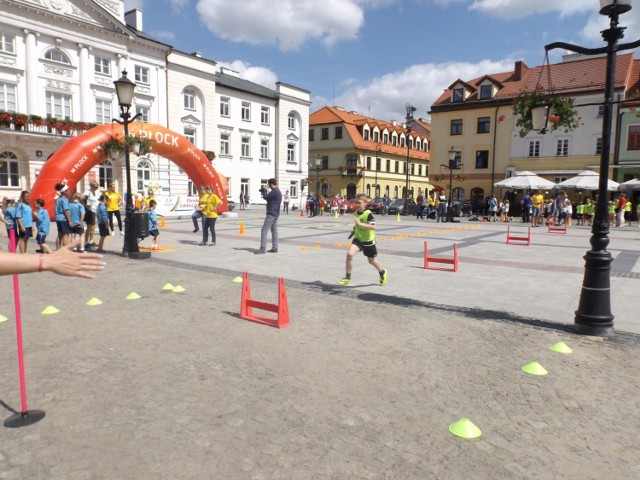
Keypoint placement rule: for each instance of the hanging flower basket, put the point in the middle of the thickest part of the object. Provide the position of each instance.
(210, 155)
(113, 148)
(141, 145)
(562, 114)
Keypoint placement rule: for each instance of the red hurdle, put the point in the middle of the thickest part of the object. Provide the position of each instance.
(248, 304)
(449, 261)
(513, 240)
(556, 229)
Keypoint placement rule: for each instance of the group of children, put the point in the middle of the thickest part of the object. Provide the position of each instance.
(24, 223)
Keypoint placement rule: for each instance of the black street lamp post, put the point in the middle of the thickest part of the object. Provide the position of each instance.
(318, 165)
(124, 90)
(454, 164)
(376, 190)
(594, 316)
(408, 124)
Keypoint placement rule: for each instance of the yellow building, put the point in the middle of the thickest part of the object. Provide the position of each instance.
(350, 154)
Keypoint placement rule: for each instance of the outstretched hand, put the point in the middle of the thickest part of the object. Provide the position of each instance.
(66, 262)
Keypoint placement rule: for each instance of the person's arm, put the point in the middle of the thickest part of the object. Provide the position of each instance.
(63, 262)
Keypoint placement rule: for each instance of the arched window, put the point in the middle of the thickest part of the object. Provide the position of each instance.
(9, 170)
(144, 174)
(368, 190)
(189, 98)
(57, 56)
(395, 192)
(105, 174)
(386, 191)
(457, 193)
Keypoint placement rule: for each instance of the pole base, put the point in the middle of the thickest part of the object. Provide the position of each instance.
(24, 419)
(593, 330)
(139, 255)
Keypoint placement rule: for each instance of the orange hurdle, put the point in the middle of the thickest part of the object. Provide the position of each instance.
(511, 238)
(449, 261)
(248, 304)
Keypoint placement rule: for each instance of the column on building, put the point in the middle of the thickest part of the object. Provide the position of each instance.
(85, 82)
(31, 71)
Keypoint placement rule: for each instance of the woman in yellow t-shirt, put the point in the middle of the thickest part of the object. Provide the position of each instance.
(210, 212)
(114, 199)
(148, 198)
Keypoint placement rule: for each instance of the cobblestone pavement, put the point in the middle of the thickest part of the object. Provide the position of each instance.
(363, 384)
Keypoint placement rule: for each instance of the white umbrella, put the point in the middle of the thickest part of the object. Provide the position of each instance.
(633, 184)
(525, 179)
(587, 180)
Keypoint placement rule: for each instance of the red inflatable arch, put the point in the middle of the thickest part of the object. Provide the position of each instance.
(80, 154)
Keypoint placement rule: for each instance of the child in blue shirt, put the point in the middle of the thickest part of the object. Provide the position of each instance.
(24, 221)
(153, 225)
(42, 224)
(102, 217)
(9, 219)
(77, 212)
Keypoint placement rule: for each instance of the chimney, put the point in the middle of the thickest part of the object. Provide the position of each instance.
(520, 69)
(133, 19)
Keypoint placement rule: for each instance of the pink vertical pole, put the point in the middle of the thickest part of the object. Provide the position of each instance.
(16, 298)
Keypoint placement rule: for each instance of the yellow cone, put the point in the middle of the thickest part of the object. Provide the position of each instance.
(133, 296)
(338, 244)
(560, 347)
(178, 289)
(303, 249)
(398, 217)
(50, 310)
(316, 246)
(534, 368)
(237, 280)
(168, 286)
(241, 228)
(94, 301)
(3, 318)
(465, 428)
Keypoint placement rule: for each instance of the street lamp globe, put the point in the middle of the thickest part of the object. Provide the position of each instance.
(124, 90)
(614, 7)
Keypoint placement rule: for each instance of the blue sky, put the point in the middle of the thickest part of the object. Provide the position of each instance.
(374, 56)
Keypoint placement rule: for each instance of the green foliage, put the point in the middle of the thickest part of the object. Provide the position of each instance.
(562, 114)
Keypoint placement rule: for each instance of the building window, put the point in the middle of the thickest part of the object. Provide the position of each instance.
(600, 111)
(598, 146)
(103, 111)
(375, 136)
(533, 149)
(482, 159)
(291, 121)
(388, 165)
(633, 137)
(245, 150)
(401, 142)
(9, 170)
(7, 43)
(224, 106)
(144, 175)
(144, 113)
(378, 164)
(368, 163)
(365, 134)
(485, 92)
(291, 153)
(419, 170)
(325, 162)
(7, 97)
(458, 94)
(246, 111)
(105, 174)
(264, 115)
(102, 65)
(484, 125)
(385, 138)
(293, 188)
(562, 147)
(325, 134)
(224, 144)
(264, 149)
(57, 56)
(190, 134)
(397, 167)
(394, 139)
(338, 132)
(189, 98)
(456, 127)
(311, 136)
(142, 75)
(58, 105)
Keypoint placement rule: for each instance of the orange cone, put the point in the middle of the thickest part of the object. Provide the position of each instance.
(241, 228)
(162, 222)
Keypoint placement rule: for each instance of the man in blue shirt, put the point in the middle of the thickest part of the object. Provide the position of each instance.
(274, 199)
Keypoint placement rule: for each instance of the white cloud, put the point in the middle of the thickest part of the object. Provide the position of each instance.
(290, 23)
(260, 75)
(131, 4)
(523, 8)
(420, 85)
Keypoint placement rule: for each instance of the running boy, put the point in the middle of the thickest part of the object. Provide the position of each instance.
(153, 224)
(43, 221)
(102, 217)
(364, 233)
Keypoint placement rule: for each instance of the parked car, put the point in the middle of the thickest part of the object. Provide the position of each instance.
(397, 207)
(376, 205)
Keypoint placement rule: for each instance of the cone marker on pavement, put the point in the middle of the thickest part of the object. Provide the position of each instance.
(168, 286)
(3, 318)
(50, 310)
(534, 368)
(178, 289)
(241, 228)
(94, 301)
(133, 296)
(237, 280)
(560, 347)
(465, 428)
(398, 217)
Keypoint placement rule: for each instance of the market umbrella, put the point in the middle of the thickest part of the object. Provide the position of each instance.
(587, 180)
(525, 179)
(633, 184)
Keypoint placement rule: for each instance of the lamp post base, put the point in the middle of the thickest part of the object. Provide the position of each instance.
(138, 255)
(594, 316)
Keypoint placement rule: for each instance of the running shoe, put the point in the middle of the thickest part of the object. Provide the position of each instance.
(344, 281)
(383, 277)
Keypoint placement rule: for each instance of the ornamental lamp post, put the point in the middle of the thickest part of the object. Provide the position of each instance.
(376, 188)
(454, 164)
(593, 316)
(125, 89)
(318, 165)
(408, 124)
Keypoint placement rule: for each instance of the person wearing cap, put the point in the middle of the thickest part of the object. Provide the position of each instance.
(274, 199)
(63, 216)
